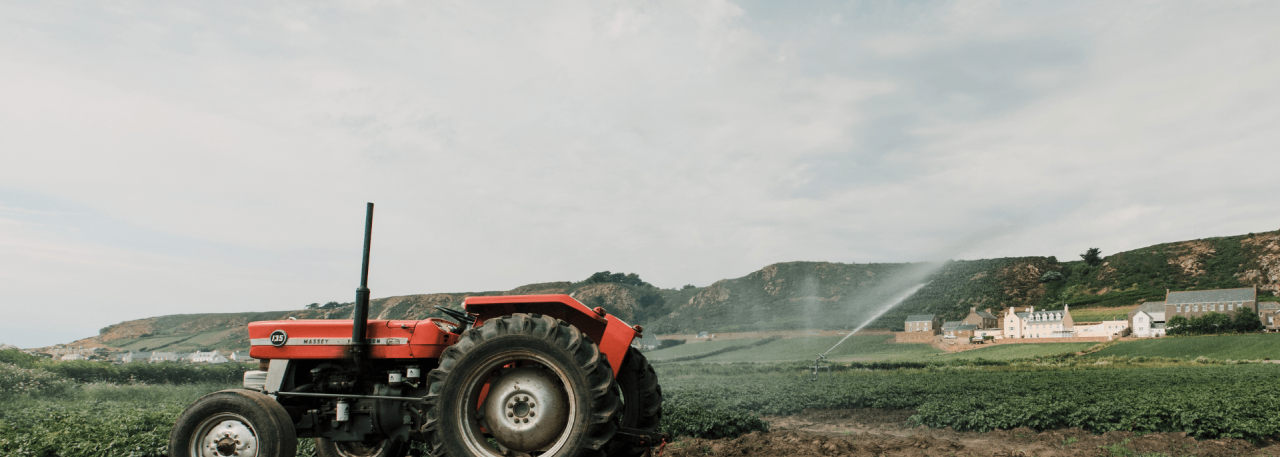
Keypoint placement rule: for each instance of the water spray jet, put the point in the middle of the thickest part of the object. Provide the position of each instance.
(821, 363)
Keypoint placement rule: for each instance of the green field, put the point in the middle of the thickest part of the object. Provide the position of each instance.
(1223, 347)
(698, 348)
(859, 348)
(1011, 351)
(1207, 401)
(863, 348)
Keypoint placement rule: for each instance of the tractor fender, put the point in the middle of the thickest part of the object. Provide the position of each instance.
(611, 335)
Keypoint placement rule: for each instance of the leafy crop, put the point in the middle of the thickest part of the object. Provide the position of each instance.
(681, 416)
(1208, 401)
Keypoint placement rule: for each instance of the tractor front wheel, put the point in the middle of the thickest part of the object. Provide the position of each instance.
(523, 383)
(237, 422)
(641, 402)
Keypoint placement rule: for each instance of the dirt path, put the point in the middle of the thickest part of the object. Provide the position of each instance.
(869, 432)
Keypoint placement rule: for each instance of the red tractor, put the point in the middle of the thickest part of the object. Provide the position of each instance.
(540, 375)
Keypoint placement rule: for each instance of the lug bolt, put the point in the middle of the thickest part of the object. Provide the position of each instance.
(510, 414)
(526, 421)
(531, 405)
(511, 405)
(531, 414)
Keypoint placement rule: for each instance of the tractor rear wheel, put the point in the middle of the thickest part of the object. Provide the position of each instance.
(234, 422)
(641, 401)
(523, 383)
(389, 447)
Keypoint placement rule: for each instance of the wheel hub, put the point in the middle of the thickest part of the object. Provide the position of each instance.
(230, 437)
(526, 409)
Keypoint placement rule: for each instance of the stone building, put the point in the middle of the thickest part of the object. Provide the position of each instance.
(982, 319)
(958, 330)
(923, 323)
(1196, 303)
(1269, 312)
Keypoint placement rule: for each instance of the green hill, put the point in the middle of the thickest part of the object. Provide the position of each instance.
(811, 295)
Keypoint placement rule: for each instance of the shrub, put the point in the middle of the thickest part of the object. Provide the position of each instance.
(670, 343)
(15, 380)
(18, 358)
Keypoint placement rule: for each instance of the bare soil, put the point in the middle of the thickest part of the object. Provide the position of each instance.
(871, 432)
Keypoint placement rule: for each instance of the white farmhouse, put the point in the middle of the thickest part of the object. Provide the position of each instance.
(1147, 320)
(1039, 324)
(208, 357)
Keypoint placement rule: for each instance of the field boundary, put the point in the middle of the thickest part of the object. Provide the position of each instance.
(719, 351)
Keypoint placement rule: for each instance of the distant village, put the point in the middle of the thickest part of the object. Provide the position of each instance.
(64, 352)
(1148, 320)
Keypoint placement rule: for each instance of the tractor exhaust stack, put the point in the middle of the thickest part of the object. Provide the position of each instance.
(360, 317)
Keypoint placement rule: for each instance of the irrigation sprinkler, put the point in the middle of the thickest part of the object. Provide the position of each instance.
(821, 363)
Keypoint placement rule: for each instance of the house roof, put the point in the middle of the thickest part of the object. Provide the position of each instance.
(1212, 296)
(963, 327)
(986, 315)
(1048, 316)
(1149, 307)
(920, 318)
(950, 324)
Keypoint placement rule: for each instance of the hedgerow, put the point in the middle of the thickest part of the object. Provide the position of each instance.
(150, 373)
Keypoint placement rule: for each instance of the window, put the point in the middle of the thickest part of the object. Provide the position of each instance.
(1231, 306)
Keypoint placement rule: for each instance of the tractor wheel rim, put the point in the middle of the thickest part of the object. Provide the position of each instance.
(542, 396)
(224, 435)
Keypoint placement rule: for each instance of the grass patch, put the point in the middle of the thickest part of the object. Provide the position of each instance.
(856, 348)
(696, 348)
(1101, 314)
(1012, 351)
(1222, 347)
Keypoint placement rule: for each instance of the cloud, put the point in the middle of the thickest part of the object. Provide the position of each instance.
(225, 151)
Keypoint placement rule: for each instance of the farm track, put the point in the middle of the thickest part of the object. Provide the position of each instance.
(872, 432)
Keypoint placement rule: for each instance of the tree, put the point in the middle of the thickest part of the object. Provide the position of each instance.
(630, 279)
(1246, 321)
(1093, 256)
(1177, 325)
(1215, 322)
(313, 306)
(1051, 276)
(688, 286)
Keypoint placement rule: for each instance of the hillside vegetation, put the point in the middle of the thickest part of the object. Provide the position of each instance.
(812, 295)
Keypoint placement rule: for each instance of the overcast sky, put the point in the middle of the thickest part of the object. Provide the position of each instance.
(180, 157)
